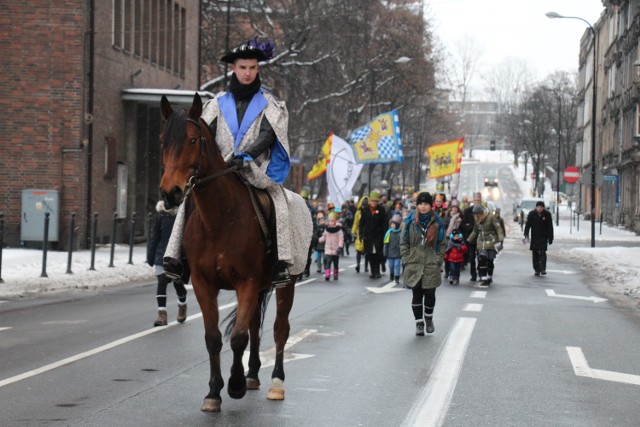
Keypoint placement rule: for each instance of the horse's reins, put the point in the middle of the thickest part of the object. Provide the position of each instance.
(194, 180)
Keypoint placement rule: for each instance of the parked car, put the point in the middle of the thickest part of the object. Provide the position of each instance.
(524, 206)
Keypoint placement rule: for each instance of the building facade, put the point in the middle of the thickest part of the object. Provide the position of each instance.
(80, 89)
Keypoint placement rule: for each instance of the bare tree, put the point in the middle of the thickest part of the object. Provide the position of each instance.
(338, 63)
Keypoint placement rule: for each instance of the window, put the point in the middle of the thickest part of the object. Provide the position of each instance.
(153, 30)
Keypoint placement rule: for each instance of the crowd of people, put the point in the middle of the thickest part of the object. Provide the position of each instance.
(420, 239)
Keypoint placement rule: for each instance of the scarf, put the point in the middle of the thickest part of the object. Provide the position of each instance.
(243, 92)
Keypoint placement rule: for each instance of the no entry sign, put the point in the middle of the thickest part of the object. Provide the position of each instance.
(571, 174)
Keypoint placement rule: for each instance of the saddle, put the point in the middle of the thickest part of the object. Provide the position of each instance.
(265, 211)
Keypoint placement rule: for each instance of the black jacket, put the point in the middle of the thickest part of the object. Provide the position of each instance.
(373, 227)
(159, 237)
(541, 227)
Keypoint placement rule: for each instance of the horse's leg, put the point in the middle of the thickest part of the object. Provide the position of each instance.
(213, 339)
(247, 305)
(284, 302)
(253, 381)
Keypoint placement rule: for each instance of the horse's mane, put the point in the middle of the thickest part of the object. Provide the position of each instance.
(175, 129)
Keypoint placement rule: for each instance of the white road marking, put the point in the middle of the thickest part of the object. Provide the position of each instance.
(97, 350)
(562, 271)
(552, 293)
(582, 369)
(472, 307)
(478, 294)
(6, 328)
(389, 287)
(268, 357)
(433, 402)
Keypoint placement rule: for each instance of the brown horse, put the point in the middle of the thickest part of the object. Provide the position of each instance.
(225, 248)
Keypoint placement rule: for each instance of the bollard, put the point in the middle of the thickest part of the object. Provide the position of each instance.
(113, 237)
(70, 251)
(94, 227)
(1, 242)
(577, 221)
(601, 219)
(45, 244)
(132, 236)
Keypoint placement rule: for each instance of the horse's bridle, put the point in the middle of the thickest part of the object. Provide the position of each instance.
(194, 179)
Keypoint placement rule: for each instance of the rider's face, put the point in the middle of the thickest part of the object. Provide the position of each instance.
(246, 70)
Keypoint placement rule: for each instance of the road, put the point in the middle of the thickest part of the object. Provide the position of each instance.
(526, 351)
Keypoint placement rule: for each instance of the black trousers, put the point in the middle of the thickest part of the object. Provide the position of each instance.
(423, 301)
(539, 258)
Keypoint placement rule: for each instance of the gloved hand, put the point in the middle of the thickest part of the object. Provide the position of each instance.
(550, 242)
(525, 240)
(339, 251)
(240, 160)
(237, 161)
(498, 246)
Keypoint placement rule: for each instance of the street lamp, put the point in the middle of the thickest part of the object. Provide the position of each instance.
(554, 15)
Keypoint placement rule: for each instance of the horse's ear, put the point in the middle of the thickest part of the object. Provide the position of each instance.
(165, 107)
(196, 107)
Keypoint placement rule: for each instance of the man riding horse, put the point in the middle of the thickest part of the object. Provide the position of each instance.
(250, 126)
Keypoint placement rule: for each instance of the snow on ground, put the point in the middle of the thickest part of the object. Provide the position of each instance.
(617, 267)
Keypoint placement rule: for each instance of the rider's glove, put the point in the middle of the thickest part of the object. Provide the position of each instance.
(240, 160)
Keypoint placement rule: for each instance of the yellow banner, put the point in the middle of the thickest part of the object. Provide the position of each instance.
(320, 165)
(445, 158)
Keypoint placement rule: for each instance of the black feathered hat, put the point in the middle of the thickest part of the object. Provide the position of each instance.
(251, 50)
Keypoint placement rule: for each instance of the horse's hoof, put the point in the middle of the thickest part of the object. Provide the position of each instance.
(253, 384)
(211, 405)
(236, 393)
(276, 391)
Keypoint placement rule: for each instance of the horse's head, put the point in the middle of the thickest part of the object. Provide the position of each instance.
(183, 142)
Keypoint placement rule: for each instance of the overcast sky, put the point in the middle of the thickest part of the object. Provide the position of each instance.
(516, 28)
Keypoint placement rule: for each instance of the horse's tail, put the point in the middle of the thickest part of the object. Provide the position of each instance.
(231, 318)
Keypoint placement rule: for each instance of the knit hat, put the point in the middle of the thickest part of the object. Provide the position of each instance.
(374, 195)
(396, 218)
(540, 204)
(477, 209)
(454, 202)
(477, 195)
(424, 197)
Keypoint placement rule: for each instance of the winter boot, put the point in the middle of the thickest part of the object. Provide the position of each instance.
(456, 282)
(419, 327)
(358, 268)
(335, 274)
(397, 280)
(182, 313)
(327, 274)
(391, 276)
(429, 322)
(162, 318)
(451, 280)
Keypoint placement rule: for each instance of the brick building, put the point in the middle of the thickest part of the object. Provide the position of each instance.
(80, 85)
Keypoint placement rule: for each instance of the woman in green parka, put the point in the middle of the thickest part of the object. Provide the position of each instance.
(422, 250)
(488, 236)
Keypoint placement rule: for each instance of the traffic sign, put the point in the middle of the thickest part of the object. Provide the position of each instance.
(571, 174)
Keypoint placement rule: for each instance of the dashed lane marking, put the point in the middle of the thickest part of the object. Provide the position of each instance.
(473, 307)
(6, 328)
(478, 294)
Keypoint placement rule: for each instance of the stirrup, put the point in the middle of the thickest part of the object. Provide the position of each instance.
(281, 278)
(172, 268)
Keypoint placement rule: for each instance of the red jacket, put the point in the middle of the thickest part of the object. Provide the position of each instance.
(455, 253)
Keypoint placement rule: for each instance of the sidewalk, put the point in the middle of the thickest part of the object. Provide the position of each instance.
(22, 268)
